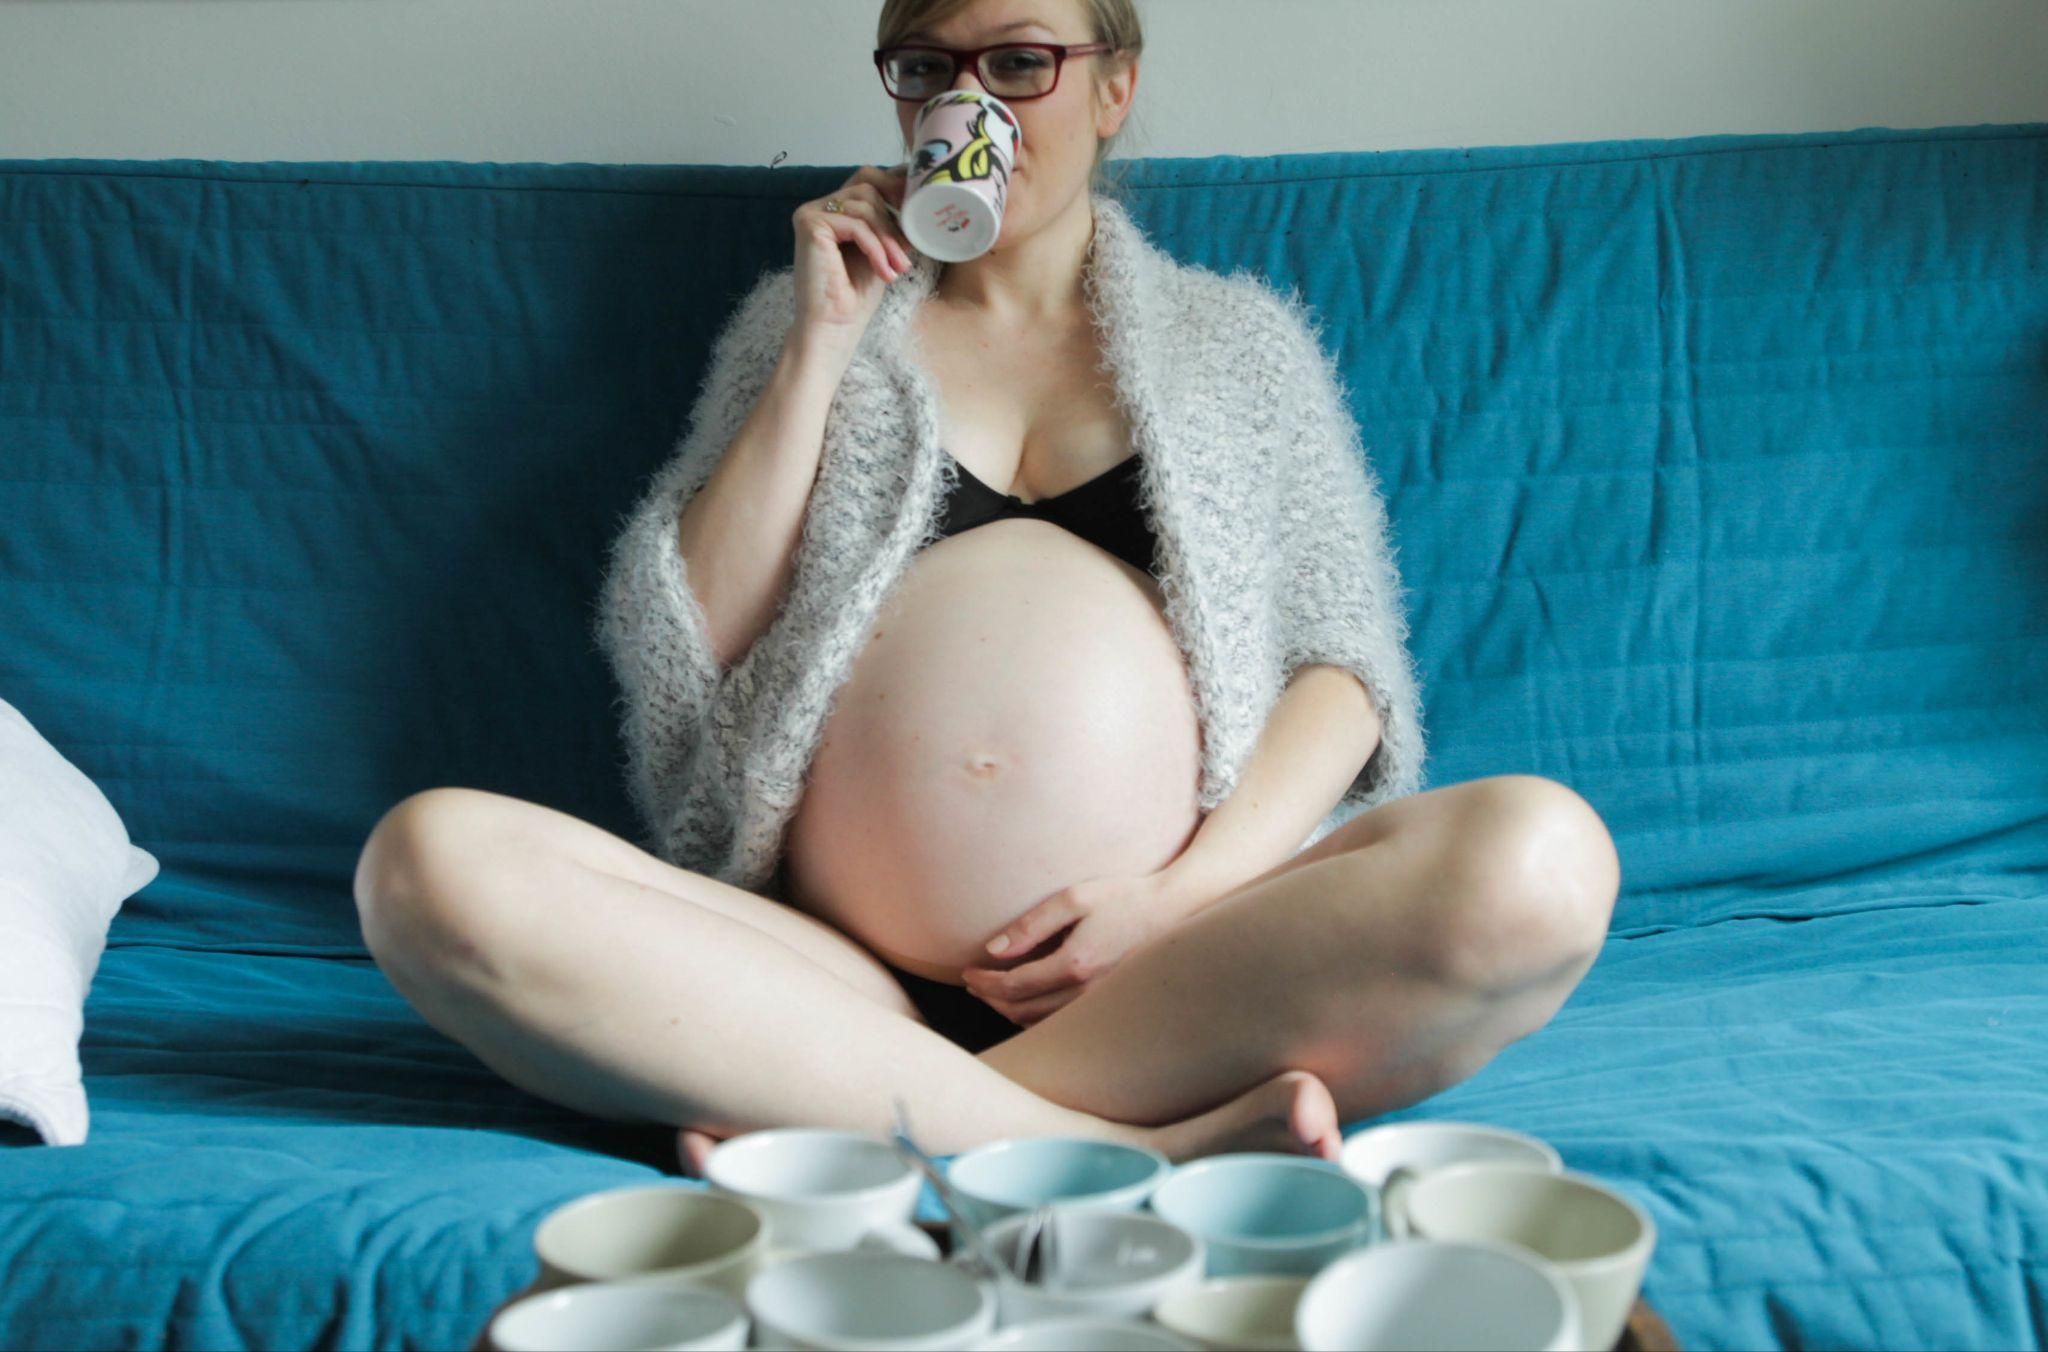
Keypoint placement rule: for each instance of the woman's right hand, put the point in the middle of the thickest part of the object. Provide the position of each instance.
(846, 259)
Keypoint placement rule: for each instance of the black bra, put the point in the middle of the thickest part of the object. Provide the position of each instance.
(1104, 511)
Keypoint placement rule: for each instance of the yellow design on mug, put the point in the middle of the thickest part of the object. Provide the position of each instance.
(976, 159)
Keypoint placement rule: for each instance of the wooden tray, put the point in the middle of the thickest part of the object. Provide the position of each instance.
(1646, 1330)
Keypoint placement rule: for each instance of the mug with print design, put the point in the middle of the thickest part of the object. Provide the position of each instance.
(957, 182)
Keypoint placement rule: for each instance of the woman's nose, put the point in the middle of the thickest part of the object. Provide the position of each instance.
(968, 78)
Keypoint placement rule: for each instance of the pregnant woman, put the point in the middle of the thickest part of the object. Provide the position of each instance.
(1016, 702)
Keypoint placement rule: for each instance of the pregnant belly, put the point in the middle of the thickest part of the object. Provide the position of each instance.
(1020, 719)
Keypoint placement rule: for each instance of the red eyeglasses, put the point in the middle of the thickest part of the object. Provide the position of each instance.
(1010, 70)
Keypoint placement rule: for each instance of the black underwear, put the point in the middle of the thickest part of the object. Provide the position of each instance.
(1104, 511)
(954, 1012)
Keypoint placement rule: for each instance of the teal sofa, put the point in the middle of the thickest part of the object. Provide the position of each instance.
(1718, 470)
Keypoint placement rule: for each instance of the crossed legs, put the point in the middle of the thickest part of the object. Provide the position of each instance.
(588, 972)
(1393, 959)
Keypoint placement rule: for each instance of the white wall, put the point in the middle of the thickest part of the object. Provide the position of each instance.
(683, 81)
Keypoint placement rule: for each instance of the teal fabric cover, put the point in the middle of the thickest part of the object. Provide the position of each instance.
(1716, 470)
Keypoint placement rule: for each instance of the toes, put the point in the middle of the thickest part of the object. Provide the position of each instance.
(1312, 1117)
(694, 1147)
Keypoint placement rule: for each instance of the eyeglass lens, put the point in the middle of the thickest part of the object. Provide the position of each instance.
(1009, 72)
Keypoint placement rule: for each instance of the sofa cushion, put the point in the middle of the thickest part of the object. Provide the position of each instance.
(285, 1155)
(1835, 1123)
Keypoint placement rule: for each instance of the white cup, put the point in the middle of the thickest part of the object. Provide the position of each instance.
(1002, 1178)
(1083, 1335)
(1392, 1157)
(868, 1300)
(1267, 1211)
(662, 1233)
(681, 1318)
(1106, 1264)
(819, 1188)
(1597, 1238)
(1435, 1296)
(1374, 1153)
(1250, 1313)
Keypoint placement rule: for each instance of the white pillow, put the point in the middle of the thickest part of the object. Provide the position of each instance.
(65, 867)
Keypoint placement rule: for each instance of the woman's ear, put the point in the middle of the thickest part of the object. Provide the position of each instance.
(1114, 96)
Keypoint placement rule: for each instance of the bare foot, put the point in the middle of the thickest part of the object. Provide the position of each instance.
(693, 1147)
(1292, 1113)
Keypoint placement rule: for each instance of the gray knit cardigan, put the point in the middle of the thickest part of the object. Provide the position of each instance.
(1272, 545)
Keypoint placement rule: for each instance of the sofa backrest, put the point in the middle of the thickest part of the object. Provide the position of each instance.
(1715, 469)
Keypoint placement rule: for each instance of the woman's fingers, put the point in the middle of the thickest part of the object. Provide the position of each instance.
(897, 255)
(885, 229)
(885, 217)
(1049, 973)
(870, 212)
(1027, 1012)
(846, 226)
(889, 183)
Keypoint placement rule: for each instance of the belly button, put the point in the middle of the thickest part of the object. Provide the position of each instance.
(983, 765)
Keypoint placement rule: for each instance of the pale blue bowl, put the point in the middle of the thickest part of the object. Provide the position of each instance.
(1263, 1212)
(1005, 1177)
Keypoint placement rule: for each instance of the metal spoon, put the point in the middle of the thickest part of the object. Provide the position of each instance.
(984, 1253)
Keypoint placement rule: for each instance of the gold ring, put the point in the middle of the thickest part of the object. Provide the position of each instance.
(832, 204)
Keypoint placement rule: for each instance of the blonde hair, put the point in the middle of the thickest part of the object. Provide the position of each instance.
(1112, 21)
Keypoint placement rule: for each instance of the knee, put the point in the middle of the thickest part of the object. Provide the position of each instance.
(1529, 882)
(416, 880)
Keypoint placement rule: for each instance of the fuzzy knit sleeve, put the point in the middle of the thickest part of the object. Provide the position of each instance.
(649, 623)
(1340, 598)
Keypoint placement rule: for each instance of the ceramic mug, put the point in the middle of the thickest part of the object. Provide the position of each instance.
(1253, 1313)
(1004, 1177)
(1597, 1238)
(1261, 1211)
(818, 1188)
(1434, 1295)
(1084, 1335)
(680, 1318)
(658, 1233)
(957, 180)
(868, 1300)
(1106, 1265)
(1393, 1156)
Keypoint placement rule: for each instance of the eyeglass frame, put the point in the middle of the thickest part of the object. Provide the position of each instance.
(970, 58)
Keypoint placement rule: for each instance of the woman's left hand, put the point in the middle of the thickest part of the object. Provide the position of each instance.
(1103, 918)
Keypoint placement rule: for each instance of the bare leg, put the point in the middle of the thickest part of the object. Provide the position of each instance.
(506, 926)
(1394, 959)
